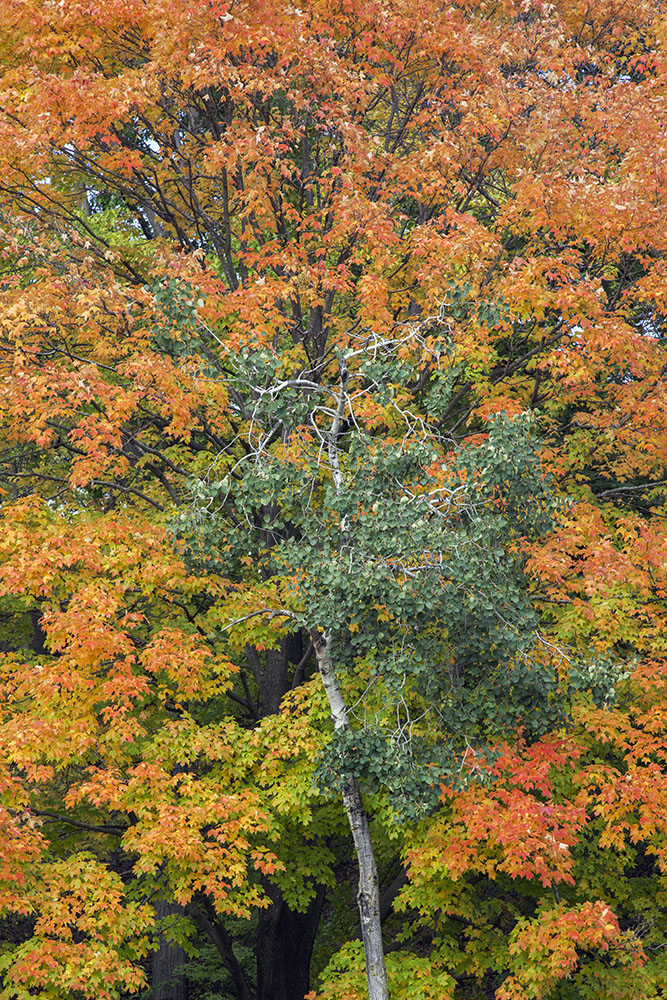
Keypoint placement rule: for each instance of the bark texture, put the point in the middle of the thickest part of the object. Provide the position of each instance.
(168, 981)
(368, 894)
(284, 948)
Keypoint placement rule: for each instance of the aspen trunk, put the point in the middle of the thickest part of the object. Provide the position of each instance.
(368, 895)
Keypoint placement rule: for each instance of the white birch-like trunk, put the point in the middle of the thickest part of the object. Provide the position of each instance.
(368, 895)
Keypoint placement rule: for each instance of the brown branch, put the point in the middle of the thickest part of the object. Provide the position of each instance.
(94, 828)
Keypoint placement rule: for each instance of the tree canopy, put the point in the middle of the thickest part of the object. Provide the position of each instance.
(333, 558)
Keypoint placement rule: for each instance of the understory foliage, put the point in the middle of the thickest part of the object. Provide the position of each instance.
(333, 328)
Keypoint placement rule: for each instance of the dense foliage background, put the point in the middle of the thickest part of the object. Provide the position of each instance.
(334, 438)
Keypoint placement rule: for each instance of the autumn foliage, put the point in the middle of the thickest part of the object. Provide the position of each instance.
(336, 320)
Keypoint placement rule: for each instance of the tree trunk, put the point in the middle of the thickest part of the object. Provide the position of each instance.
(168, 980)
(368, 895)
(204, 915)
(285, 941)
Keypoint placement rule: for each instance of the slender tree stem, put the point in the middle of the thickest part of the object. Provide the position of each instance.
(368, 894)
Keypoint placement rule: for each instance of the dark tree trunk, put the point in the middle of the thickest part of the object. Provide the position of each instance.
(38, 637)
(271, 676)
(204, 914)
(285, 941)
(168, 980)
(285, 938)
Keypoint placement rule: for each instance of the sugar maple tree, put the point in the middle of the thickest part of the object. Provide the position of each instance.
(210, 213)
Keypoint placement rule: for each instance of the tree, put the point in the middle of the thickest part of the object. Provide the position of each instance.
(400, 571)
(204, 216)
